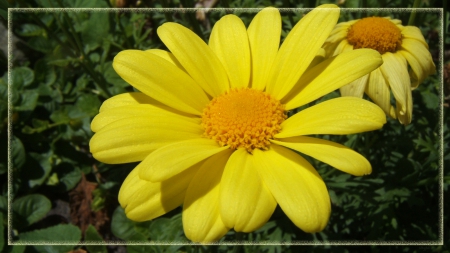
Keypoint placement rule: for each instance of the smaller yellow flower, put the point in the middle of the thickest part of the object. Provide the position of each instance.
(400, 47)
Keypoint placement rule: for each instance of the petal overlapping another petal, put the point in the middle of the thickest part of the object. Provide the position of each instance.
(196, 57)
(245, 202)
(201, 215)
(264, 38)
(147, 72)
(170, 160)
(229, 41)
(296, 186)
(299, 49)
(144, 200)
(331, 153)
(343, 115)
(332, 74)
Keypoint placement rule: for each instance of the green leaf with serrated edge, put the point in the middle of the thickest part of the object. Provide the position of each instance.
(66, 233)
(22, 77)
(91, 235)
(124, 228)
(30, 209)
(29, 99)
(17, 153)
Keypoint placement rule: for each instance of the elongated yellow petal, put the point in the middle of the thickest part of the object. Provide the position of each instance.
(395, 72)
(355, 88)
(378, 90)
(144, 200)
(264, 37)
(168, 56)
(196, 57)
(417, 74)
(300, 47)
(160, 80)
(406, 118)
(296, 186)
(412, 32)
(332, 74)
(131, 139)
(130, 98)
(421, 54)
(201, 216)
(245, 202)
(148, 111)
(336, 155)
(343, 115)
(229, 41)
(170, 160)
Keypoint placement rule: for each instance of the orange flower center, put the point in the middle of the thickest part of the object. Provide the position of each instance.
(375, 33)
(243, 118)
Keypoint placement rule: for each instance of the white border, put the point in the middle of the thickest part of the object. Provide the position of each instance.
(440, 240)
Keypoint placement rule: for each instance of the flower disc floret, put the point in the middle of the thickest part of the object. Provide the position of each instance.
(375, 33)
(243, 118)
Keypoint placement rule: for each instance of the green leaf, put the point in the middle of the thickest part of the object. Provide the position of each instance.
(91, 235)
(124, 228)
(112, 77)
(89, 104)
(40, 171)
(44, 73)
(41, 44)
(66, 233)
(29, 30)
(431, 100)
(68, 175)
(30, 209)
(85, 4)
(95, 30)
(22, 77)
(29, 99)
(17, 153)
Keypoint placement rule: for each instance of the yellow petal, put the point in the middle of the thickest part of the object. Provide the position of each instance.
(395, 72)
(412, 32)
(130, 98)
(170, 160)
(332, 74)
(160, 80)
(229, 41)
(149, 111)
(196, 57)
(378, 90)
(406, 118)
(331, 153)
(133, 138)
(296, 186)
(245, 202)
(264, 38)
(168, 56)
(422, 56)
(299, 48)
(355, 88)
(144, 200)
(417, 74)
(343, 115)
(201, 215)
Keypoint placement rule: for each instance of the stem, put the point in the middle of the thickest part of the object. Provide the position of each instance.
(412, 16)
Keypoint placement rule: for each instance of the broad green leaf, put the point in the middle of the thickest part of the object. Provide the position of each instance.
(66, 233)
(45, 73)
(41, 44)
(30, 209)
(124, 228)
(68, 175)
(89, 104)
(95, 30)
(22, 77)
(91, 235)
(17, 153)
(40, 171)
(29, 99)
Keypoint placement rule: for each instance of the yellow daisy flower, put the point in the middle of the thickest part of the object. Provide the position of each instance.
(400, 46)
(210, 125)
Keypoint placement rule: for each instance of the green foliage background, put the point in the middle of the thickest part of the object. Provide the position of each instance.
(65, 73)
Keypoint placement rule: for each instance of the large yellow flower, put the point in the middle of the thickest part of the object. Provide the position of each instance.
(210, 125)
(400, 47)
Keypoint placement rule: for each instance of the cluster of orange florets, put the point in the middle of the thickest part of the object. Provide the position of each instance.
(243, 118)
(375, 33)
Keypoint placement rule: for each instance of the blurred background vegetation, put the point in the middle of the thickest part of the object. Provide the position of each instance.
(61, 73)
